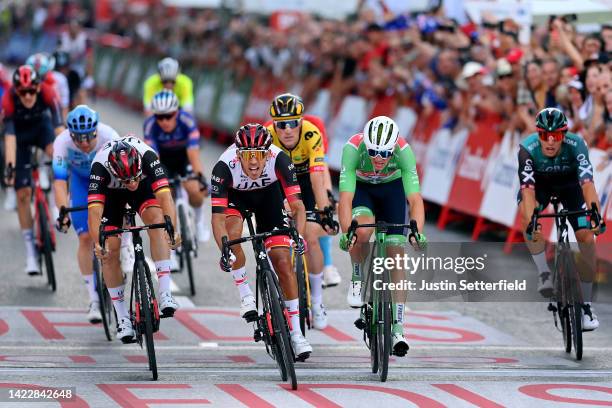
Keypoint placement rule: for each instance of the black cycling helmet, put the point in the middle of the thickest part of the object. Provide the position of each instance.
(550, 120)
(286, 107)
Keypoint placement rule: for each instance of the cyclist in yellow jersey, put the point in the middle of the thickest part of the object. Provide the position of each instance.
(302, 141)
(168, 77)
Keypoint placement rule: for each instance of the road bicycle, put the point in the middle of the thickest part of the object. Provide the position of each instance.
(109, 316)
(272, 324)
(186, 225)
(376, 317)
(144, 311)
(567, 287)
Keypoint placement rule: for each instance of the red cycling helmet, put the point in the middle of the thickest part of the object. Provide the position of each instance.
(25, 77)
(253, 136)
(124, 161)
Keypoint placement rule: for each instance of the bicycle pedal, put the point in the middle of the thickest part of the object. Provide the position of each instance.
(166, 315)
(360, 324)
(257, 336)
(129, 340)
(552, 308)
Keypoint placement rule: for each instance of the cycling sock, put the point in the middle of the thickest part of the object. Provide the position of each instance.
(294, 314)
(316, 288)
(587, 291)
(163, 275)
(28, 240)
(398, 318)
(241, 282)
(118, 299)
(326, 242)
(540, 261)
(91, 288)
(199, 213)
(356, 272)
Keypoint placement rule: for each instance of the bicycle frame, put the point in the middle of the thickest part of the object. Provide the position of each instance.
(40, 197)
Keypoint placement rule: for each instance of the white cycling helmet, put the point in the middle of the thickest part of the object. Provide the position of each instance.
(164, 102)
(168, 69)
(380, 134)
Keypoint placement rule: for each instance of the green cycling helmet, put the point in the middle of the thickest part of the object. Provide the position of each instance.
(550, 120)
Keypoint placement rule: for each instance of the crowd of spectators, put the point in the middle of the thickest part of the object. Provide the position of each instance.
(468, 72)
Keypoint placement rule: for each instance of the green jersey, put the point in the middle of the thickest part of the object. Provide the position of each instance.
(357, 165)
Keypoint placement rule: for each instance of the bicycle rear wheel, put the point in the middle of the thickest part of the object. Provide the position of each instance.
(383, 330)
(300, 274)
(281, 329)
(47, 245)
(187, 247)
(146, 307)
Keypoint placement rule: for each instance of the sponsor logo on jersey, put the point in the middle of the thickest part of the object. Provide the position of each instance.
(217, 179)
(155, 163)
(159, 171)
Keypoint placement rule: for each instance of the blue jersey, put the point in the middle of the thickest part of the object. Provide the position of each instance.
(68, 158)
(184, 136)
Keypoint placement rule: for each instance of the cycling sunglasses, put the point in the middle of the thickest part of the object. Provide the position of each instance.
(384, 154)
(27, 91)
(284, 124)
(557, 135)
(84, 137)
(248, 154)
(131, 179)
(165, 116)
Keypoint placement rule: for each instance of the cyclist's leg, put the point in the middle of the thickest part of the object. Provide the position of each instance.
(78, 197)
(111, 269)
(314, 256)
(23, 190)
(536, 249)
(362, 211)
(390, 206)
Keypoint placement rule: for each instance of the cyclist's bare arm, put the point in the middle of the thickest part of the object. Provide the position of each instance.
(298, 212)
(345, 208)
(94, 219)
(10, 146)
(61, 193)
(590, 195)
(164, 197)
(528, 204)
(417, 209)
(317, 179)
(218, 227)
(193, 154)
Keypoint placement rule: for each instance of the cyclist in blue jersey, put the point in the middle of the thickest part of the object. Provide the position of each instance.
(173, 133)
(73, 152)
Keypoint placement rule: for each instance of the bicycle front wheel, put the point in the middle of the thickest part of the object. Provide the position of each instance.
(566, 327)
(107, 309)
(300, 273)
(575, 312)
(383, 330)
(281, 330)
(187, 247)
(47, 245)
(146, 306)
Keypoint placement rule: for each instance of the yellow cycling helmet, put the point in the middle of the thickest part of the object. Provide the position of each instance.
(286, 107)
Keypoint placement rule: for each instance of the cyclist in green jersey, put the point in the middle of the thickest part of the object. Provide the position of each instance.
(378, 176)
(555, 162)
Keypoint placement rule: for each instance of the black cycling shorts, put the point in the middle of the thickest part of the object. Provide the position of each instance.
(176, 162)
(116, 199)
(40, 135)
(265, 203)
(570, 197)
(386, 200)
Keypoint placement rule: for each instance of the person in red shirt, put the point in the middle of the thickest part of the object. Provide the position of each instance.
(32, 118)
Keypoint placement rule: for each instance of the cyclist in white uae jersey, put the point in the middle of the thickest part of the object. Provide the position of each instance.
(127, 171)
(253, 175)
(73, 152)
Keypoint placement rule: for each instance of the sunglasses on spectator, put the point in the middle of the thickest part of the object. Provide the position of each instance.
(248, 154)
(27, 91)
(557, 135)
(84, 137)
(168, 81)
(284, 124)
(165, 116)
(384, 154)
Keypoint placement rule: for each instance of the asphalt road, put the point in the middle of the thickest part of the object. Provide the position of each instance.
(462, 354)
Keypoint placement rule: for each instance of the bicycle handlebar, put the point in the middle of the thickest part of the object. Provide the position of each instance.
(593, 213)
(167, 225)
(328, 212)
(381, 225)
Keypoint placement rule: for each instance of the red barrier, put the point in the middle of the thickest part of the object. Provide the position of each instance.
(424, 128)
(467, 191)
